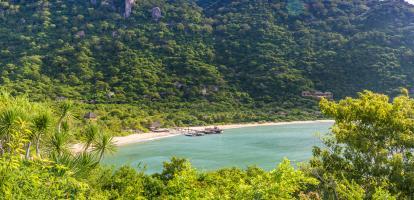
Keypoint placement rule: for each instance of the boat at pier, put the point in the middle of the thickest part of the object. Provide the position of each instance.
(214, 130)
(194, 133)
(207, 131)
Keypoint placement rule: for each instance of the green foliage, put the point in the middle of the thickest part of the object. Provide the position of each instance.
(383, 194)
(25, 176)
(368, 156)
(180, 181)
(38, 177)
(242, 53)
(90, 134)
(104, 145)
(350, 190)
(205, 62)
(38, 180)
(42, 124)
(371, 144)
(59, 143)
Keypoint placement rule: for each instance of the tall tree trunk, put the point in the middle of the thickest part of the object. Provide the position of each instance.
(60, 124)
(61, 121)
(28, 150)
(1, 148)
(38, 146)
(6, 142)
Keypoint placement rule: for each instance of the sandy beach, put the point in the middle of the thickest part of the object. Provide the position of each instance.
(143, 137)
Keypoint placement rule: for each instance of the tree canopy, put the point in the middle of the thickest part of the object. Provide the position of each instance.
(268, 51)
(367, 155)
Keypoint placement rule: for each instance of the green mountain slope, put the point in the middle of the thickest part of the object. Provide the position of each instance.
(220, 51)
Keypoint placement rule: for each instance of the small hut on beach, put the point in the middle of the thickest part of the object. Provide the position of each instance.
(155, 126)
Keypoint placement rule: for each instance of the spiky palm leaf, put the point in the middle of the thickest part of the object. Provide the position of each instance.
(104, 144)
(9, 125)
(8, 120)
(59, 142)
(84, 163)
(90, 134)
(64, 110)
(80, 165)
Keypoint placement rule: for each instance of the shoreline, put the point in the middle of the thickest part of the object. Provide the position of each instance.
(150, 136)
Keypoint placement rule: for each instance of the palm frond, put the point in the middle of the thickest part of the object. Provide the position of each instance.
(103, 145)
(59, 142)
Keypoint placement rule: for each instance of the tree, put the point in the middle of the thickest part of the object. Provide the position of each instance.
(371, 143)
(8, 119)
(41, 125)
(64, 109)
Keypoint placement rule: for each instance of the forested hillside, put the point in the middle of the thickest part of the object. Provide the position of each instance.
(216, 50)
(194, 62)
(202, 62)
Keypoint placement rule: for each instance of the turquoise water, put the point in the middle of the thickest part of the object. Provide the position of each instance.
(264, 146)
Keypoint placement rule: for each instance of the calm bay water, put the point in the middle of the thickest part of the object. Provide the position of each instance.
(264, 146)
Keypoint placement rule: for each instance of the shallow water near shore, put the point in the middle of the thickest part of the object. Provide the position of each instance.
(263, 146)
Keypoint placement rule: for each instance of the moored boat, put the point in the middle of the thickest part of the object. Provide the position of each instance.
(206, 131)
(194, 133)
(214, 130)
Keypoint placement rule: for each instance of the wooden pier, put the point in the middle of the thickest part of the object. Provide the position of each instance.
(207, 131)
